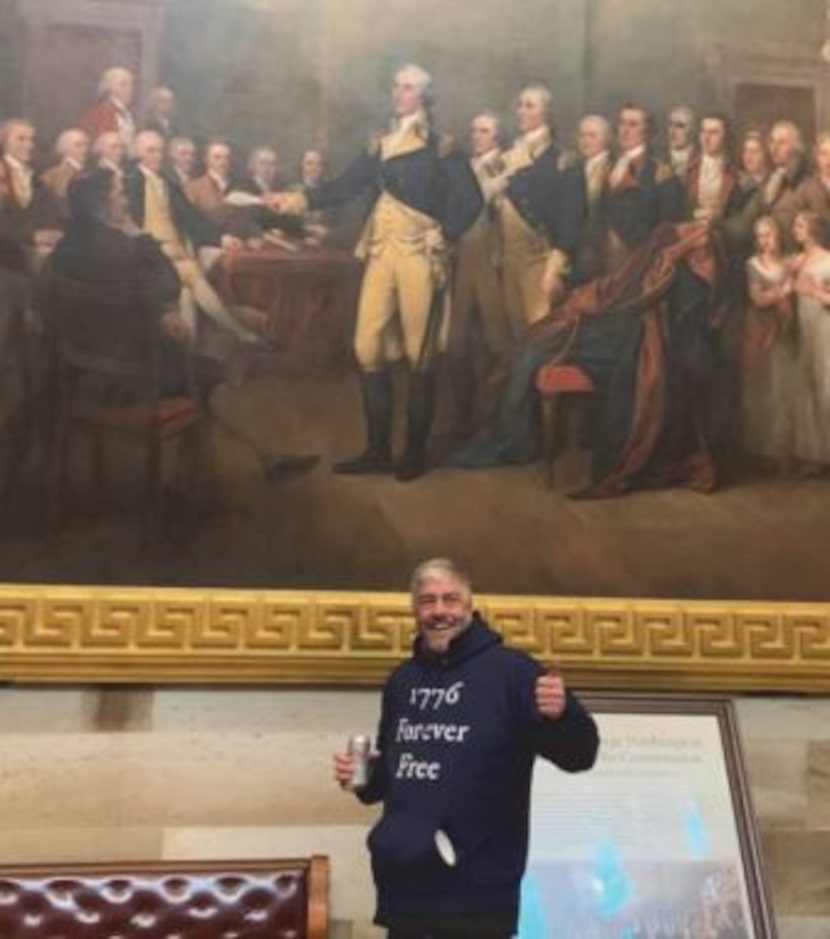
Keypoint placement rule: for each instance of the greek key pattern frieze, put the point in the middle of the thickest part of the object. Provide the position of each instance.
(81, 634)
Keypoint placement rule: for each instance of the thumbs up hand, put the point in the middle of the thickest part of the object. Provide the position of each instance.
(550, 694)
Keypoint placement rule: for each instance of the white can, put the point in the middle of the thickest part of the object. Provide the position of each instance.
(360, 749)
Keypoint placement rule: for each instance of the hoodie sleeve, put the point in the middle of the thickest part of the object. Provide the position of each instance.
(570, 741)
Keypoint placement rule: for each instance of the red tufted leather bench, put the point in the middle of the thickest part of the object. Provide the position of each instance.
(278, 899)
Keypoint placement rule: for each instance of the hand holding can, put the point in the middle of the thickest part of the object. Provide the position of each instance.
(360, 750)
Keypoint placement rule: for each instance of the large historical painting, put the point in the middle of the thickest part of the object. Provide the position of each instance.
(297, 293)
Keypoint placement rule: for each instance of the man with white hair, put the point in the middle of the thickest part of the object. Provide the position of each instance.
(72, 148)
(425, 197)
(462, 723)
(112, 112)
(181, 159)
(209, 191)
(263, 172)
(109, 152)
(540, 210)
(788, 191)
(213, 194)
(161, 112)
(159, 207)
(681, 132)
(312, 168)
(478, 326)
(594, 141)
(29, 215)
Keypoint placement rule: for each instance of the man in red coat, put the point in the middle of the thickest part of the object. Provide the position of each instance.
(111, 113)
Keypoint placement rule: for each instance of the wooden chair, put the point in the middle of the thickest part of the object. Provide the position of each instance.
(554, 381)
(106, 381)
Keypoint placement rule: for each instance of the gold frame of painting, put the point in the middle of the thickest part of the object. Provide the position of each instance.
(64, 634)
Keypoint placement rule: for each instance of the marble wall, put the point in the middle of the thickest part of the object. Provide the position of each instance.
(203, 773)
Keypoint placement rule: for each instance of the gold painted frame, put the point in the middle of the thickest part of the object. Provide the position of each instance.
(63, 634)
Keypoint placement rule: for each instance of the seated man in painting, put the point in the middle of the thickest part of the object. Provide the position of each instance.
(109, 153)
(232, 210)
(264, 177)
(181, 159)
(29, 214)
(208, 192)
(72, 149)
(159, 207)
(333, 226)
(103, 247)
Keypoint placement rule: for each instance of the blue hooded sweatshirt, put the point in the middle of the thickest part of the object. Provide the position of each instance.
(457, 740)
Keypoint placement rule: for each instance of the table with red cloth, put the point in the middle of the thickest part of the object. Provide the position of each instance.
(310, 297)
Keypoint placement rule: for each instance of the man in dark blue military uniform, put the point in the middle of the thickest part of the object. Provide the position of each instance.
(425, 197)
(541, 212)
(642, 190)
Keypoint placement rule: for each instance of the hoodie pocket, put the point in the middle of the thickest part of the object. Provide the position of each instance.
(404, 855)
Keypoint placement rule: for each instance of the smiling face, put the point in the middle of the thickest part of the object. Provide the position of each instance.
(443, 607)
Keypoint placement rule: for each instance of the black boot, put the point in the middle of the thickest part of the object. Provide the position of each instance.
(420, 410)
(377, 407)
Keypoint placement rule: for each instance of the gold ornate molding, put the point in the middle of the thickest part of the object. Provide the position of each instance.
(114, 635)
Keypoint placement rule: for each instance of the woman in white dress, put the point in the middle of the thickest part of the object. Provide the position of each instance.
(812, 377)
(768, 359)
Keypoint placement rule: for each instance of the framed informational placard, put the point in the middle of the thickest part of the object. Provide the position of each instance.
(658, 841)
